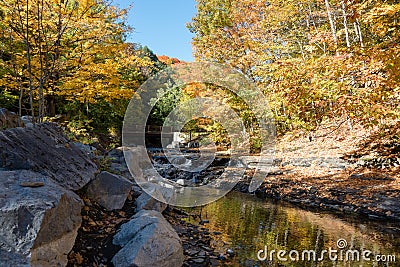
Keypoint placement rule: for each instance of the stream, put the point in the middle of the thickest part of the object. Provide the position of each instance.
(246, 224)
(250, 231)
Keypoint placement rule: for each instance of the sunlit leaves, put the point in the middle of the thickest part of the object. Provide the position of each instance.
(73, 48)
(314, 59)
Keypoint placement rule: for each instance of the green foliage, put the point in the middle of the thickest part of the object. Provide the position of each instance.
(78, 130)
(8, 100)
(105, 163)
(218, 134)
(167, 99)
(87, 121)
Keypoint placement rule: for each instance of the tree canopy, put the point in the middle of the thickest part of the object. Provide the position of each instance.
(314, 59)
(73, 49)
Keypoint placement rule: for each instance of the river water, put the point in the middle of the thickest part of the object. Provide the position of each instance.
(247, 224)
(265, 233)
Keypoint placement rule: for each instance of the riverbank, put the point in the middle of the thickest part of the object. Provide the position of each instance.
(94, 241)
(366, 192)
(343, 171)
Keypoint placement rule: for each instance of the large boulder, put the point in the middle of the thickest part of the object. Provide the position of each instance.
(43, 148)
(109, 190)
(39, 220)
(148, 240)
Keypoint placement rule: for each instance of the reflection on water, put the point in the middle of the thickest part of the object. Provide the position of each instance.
(248, 224)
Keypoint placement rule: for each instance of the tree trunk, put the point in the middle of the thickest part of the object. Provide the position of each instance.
(312, 20)
(346, 29)
(52, 72)
(359, 33)
(21, 91)
(356, 30)
(28, 57)
(50, 105)
(18, 80)
(41, 78)
(331, 22)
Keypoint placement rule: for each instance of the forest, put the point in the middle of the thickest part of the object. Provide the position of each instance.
(315, 60)
(69, 59)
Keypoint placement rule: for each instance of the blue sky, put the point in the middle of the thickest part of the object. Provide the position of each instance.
(161, 25)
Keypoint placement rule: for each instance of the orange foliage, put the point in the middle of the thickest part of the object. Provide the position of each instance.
(168, 60)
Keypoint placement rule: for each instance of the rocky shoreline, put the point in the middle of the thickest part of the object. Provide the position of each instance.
(55, 196)
(371, 194)
(331, 174)
(197, 241)
(52, 191)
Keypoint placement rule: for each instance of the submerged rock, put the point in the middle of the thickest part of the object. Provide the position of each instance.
(148, 240)
(109, 190)
(38, 224)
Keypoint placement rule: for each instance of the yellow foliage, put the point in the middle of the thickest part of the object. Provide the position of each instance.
(71, 48)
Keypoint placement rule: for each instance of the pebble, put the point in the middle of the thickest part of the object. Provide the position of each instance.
(202, 254)
(207, 248)
(192, 252)
(356, 176)
(230, 252)
(198, 260)
(222, 257)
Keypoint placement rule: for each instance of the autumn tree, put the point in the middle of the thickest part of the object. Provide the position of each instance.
(73, 49)
(314, 59)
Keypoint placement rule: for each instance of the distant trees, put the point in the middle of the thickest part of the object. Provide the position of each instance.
(315, 59)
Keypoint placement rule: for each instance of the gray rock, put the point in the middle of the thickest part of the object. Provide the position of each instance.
(117, 167)
(155, 197)
(109, 190)
(135, 158)
(12, 259)
(136, 191)
(38, 225)
(27, 120)
(182, 182)
(148, 240)
(44, 148)
(87, 149)
(121, 157)
(147, 202)
(121, 169)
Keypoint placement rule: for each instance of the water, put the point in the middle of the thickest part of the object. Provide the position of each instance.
(248, 224)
